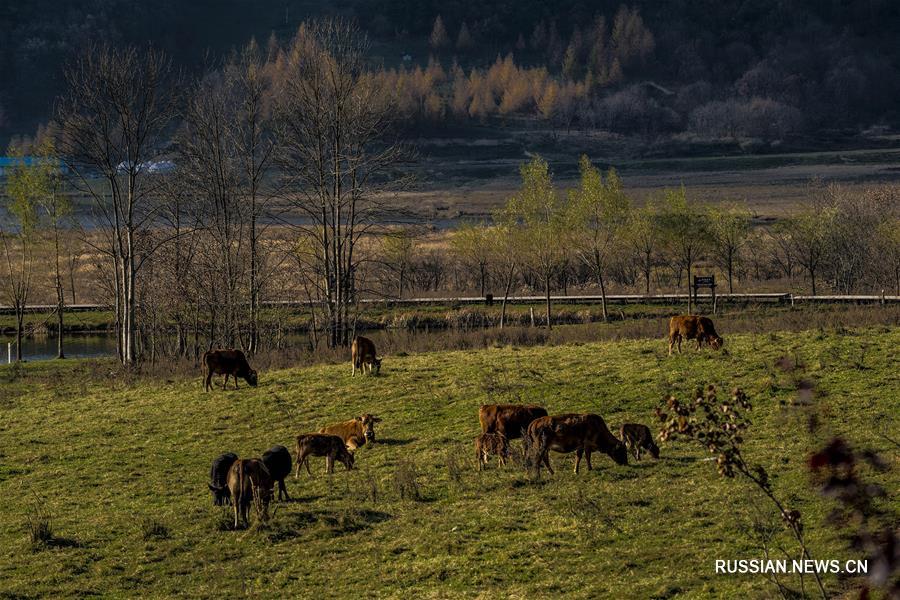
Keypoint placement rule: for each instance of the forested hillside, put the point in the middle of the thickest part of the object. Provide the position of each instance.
(765, 69)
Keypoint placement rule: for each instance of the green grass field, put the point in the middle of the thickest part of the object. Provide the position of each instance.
(121, 465)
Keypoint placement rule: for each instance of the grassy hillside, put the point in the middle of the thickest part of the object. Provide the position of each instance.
(121, 464)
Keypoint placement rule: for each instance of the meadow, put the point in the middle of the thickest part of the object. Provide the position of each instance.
(119, 464)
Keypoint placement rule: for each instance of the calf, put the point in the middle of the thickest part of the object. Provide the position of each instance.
(249, 481)
(362, 355)
(228, 362)
(218, 478)
(277, 460)
(491, 444)
(637, 437)
(692, 327)
(355, 432)
(510, 420)
(322, 444)
(581, 433)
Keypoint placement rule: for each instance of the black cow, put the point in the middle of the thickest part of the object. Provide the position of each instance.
(277, 460)
(218, 478)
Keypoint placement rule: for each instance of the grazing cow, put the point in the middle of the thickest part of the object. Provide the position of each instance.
(491, 444)
(322, 444)
(511, 420)
(637, 437)
(355, 432)
(692, 327)
(278, 462)
(581, 433)
(218, 478)
(249, 481)
(228, 362)
(362, 355)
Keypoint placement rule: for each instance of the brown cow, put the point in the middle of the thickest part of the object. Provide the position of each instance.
(228, 362)
(322, 444)
(491, 444)
(581, 433)
(637, 437)
(362, 355)
(355, 432)
(692, 327)
(511, 420)
(249, 481)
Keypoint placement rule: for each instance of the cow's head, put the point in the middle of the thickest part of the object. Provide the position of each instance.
(221, 495)
(716, 342)
(368, 422)
(252, 378)
(376, 365)
(654, 449)
(619, 453)
(346, 457)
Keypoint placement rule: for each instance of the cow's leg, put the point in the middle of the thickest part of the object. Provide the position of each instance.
(587, 458)
(699, 343)
(671, 344)
(329, 464)
(479, 456)
(208, 383)
(235, 377)
(235, 503)
(578, 454)
(679, 344)
(225, 385)
(352, 368)
(546, 459)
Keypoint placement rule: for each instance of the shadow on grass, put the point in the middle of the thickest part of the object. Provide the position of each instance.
(334, 523)
(58, 542)
(391, 442)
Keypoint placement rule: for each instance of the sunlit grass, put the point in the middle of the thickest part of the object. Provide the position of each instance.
(120, 466)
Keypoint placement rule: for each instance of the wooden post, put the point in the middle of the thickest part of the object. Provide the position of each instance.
(9, 353)
(531, 310)
(714, 298)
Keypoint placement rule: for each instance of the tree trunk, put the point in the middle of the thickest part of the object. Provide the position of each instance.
(509, 280)
(602, 296)
(730, 269)
(60, 299)
(547, 296)
(20, 323)
(690, 294)
(812, 276)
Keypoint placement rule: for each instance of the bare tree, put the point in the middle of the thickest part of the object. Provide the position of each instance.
(472, 244)
(729, 227)
(397, 250)
(24, 185)
(538, 210)
(333, 124)
(686, 230)
(599, 214)
(112, 118)
(644, 236)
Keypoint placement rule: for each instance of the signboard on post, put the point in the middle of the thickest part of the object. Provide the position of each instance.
(706, 281)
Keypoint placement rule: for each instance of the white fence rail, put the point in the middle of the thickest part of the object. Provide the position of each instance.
(777, 298)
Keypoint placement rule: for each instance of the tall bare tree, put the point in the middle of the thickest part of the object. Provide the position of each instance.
(117, 107)
(729, 229)
(540, 212)
(24, 185)
(599, 214)
(686, 230)
(333, 126)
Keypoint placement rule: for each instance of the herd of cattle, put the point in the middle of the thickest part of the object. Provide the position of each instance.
(249, 482)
